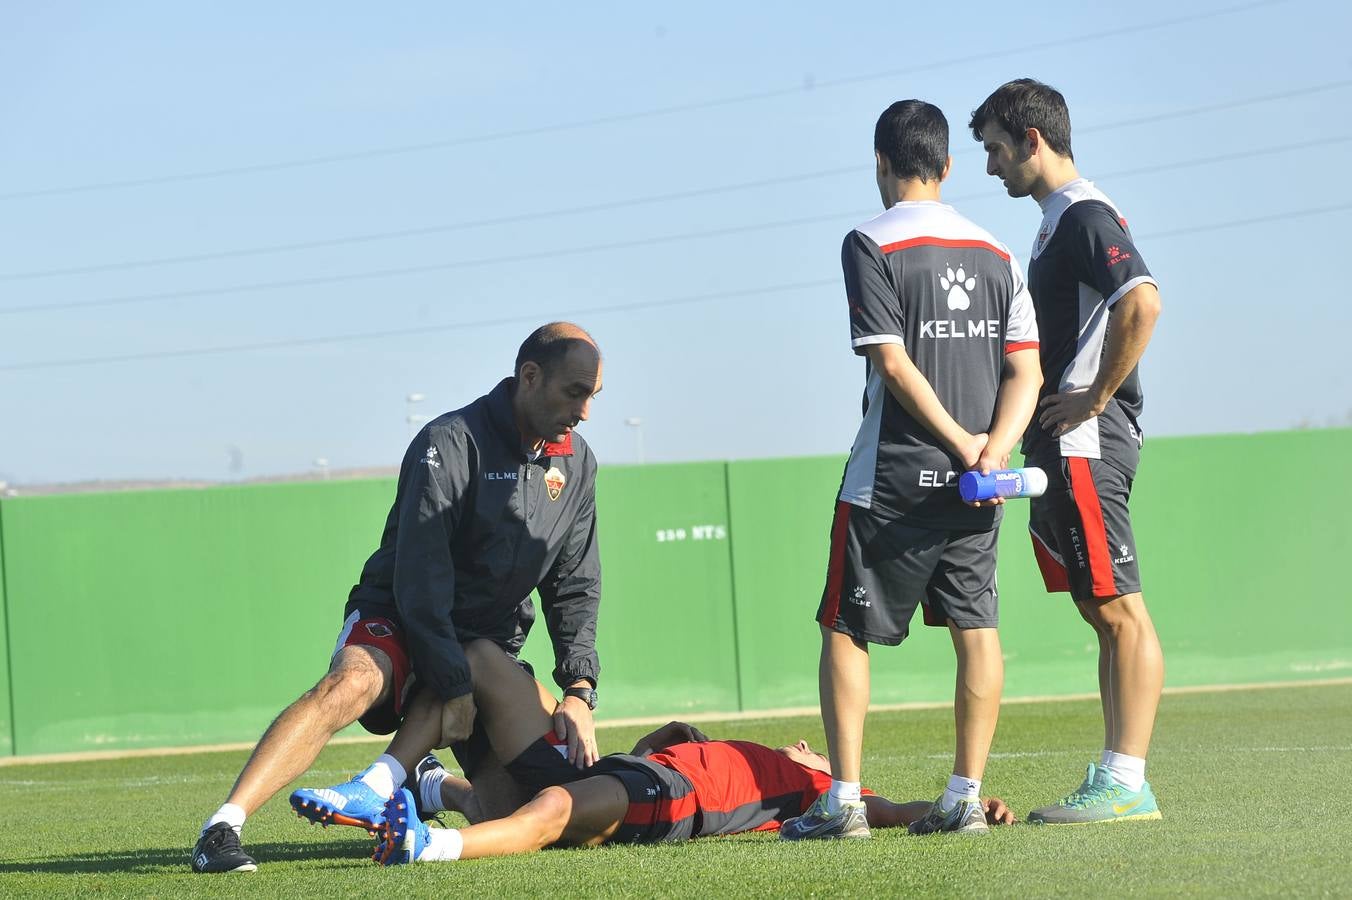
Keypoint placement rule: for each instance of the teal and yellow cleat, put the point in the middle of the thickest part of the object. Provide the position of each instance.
(1099, 799)
(818, 824)
(350, 803)
(403, 836)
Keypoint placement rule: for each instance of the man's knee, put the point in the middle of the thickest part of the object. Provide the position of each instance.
(1122, 615)
(358, 677)
(548, 814)
(838, 642)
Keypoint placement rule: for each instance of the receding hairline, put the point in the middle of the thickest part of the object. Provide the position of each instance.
(551, 343)
(563, 331)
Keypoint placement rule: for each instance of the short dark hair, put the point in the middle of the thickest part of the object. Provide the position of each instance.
(913, 136)
(549, 344)
(1025, 103)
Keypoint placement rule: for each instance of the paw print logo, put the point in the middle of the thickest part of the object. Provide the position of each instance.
(1114, 252)
(957, 284)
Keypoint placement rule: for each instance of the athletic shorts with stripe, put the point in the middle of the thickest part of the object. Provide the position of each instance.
(661, 800)
(1081, 530)
(880, 570)
(374, 630)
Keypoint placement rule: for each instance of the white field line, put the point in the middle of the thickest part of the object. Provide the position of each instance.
(743, 716)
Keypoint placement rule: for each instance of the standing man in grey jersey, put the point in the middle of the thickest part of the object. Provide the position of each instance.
(939, 309)
(1096, 309)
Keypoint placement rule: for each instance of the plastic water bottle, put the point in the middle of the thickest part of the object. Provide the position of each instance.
(1029, 482)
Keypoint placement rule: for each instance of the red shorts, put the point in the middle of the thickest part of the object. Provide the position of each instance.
(386, 636)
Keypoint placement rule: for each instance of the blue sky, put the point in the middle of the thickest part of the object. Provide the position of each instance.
(137, 134)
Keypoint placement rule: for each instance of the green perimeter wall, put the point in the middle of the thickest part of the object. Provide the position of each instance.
(189, 617)
(6, 702)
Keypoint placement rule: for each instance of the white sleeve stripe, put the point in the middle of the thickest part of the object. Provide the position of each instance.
(1135, 282)
(871, 339)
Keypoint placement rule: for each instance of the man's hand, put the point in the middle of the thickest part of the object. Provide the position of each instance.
(1062, 412)
(972, 450)
(991, 458)
(457, 719)
(573, 722)
(997, 813)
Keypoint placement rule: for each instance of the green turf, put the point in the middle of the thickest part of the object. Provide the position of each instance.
(1250, 784)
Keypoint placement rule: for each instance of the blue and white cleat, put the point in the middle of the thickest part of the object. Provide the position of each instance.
(403, 836)
(350, 803)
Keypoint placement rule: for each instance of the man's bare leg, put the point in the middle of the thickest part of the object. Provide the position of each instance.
(1105, 672)
(582, 814)
(843, 681)
(515, 711)
(976, 701)
(358, 678)
(1136, 670)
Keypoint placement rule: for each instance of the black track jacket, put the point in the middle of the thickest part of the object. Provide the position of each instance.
(475, 527)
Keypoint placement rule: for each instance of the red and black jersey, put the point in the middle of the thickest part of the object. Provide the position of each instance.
(741, 786)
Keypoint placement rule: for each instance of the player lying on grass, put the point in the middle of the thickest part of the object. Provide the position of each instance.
(675, 785)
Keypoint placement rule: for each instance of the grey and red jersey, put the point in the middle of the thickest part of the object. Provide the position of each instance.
(923, 276)
(1083, 262)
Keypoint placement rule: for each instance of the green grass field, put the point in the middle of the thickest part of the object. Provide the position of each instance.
(1250, 783)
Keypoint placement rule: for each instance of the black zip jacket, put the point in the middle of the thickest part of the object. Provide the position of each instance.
(475, 527)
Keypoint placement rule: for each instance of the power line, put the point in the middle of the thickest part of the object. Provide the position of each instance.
(619, 118)
(595, 310)
(376, 274)
(373, 274)
(371, 237)
(410, 332)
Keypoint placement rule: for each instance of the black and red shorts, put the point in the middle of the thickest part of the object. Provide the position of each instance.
(661, 800)
(880, 570)
(1081, 530)
(385, 635)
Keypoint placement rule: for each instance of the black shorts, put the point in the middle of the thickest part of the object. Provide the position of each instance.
(543, 764)
(880, 570)
(661, 800)
(1081, 530)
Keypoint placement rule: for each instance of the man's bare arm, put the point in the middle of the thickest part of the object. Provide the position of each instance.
(668, 734)
(883, 813)
(1130, 325)
(912, 390)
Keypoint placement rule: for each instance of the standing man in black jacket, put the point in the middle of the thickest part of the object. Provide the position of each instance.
(494, 501)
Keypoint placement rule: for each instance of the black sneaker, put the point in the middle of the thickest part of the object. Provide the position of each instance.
(218, 850)
(427, 764)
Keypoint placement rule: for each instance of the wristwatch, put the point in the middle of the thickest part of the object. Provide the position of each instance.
(585, 694)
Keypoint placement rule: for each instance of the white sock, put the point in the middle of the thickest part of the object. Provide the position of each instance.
(841, 792)
(960, 787)
(1104, 757)
(443, 845)
(1128, 771)
(383, 775)
(429, 790)
(230, 813)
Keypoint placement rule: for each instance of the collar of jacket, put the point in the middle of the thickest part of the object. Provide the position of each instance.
(504, 420)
